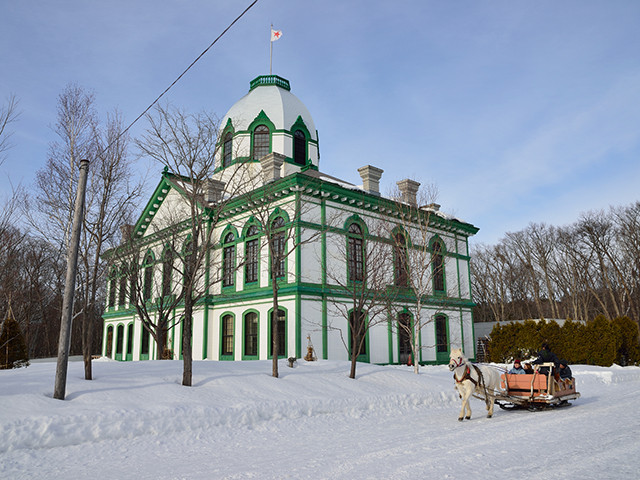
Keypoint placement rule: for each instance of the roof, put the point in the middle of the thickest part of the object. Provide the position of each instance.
(269, 93)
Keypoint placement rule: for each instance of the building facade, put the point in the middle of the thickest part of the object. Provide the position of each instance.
(338, 248)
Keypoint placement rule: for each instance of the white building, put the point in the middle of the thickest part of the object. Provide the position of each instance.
(270, 136)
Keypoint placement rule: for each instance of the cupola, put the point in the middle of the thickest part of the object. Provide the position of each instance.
(269, 119)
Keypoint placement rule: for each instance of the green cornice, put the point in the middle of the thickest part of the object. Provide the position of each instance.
(270, 80)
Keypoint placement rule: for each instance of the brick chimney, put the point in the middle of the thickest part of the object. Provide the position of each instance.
(371, 179)
(271, 165)
(213, 190)
(409, 189)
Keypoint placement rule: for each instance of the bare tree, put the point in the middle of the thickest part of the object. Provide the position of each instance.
(186, 144)
(8, 114)
(360, 265)
(279, 221)
(111, 196)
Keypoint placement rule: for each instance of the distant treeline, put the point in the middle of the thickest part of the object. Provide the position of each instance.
(599, 342)
(578, 271)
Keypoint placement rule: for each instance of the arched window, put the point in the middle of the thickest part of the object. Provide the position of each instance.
(227, 335)
(119, 342)
(357, 322)
(130, 342)
(109, 347)
(228, 261)
(404, 337)
(227, 149)
(400, 261)
(260, 142)
(278, 243)
(299, 148)
(442, 338)
(251, 251)
(251, 334)
(144, 347)
(281, 334)
(437, 268)
(122, 289)
(133, 283)
(167, 272)
(112, 288)
(355, 253)
(148, 278)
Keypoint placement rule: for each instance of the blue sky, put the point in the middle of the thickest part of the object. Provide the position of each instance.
(520, 111)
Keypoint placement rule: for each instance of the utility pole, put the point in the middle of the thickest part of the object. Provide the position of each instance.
(70, 286)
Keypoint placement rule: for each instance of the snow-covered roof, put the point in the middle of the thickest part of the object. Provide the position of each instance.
(272, 95)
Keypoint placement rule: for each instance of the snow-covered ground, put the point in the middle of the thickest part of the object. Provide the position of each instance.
(136, 421)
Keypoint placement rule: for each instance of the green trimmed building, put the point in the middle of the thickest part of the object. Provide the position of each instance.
(268, 138)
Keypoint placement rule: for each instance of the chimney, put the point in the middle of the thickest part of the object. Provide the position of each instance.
(271, 165)
(371, 179)
(409, 189)
(126, 231)
(213, 190)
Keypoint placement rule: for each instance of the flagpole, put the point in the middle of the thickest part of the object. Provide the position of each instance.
(271, 53)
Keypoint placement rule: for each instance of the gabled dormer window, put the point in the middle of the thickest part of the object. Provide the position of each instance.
(260, 142)
(227, 149)
(299, 148)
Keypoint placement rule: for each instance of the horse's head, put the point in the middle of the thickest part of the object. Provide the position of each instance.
(457, 359)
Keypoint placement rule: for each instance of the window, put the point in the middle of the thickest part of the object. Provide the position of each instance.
(133, 284)
(404, 337)
(130, 342)
(400, 261)
(437, 265)
(355, 253)
(228, 261)
(144, 348)
(167, 271)
(260, 142)
(112, 289)
(227, 149)
(122, 290)
(148, 278)
(358, 331)
(442, 340)
(299, 148)
(109, 346)
(278, 240)
(227, 335)
(251, 249)
(251, 334)
(281, 334)
(119, 342)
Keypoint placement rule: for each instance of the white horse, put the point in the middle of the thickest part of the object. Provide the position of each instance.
(482, 380)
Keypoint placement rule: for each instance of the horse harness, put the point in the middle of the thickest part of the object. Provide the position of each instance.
(478, 383)
(467, 376)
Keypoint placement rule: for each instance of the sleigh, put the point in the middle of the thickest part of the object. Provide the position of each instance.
(536, 391)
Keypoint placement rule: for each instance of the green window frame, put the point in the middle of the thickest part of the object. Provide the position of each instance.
(261, 141)
(229, 261)
(252, 256)
(299, 148)
(437, 268)
(282, 333)
(355, 253)
(227, 336)
(251, 335)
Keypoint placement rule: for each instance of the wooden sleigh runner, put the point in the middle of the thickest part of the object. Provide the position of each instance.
(535, 392)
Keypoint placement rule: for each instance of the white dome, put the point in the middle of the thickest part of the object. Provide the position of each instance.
(271, 94)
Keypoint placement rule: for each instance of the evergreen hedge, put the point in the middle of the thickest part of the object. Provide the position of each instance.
(600, 342)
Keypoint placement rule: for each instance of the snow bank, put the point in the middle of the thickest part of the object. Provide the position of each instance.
(131, 399)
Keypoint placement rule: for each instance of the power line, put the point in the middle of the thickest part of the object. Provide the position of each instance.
(181, 75)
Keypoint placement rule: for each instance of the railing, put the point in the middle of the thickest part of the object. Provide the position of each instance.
(270, 80)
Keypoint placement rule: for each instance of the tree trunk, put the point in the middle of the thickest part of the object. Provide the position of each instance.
(187, 333)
